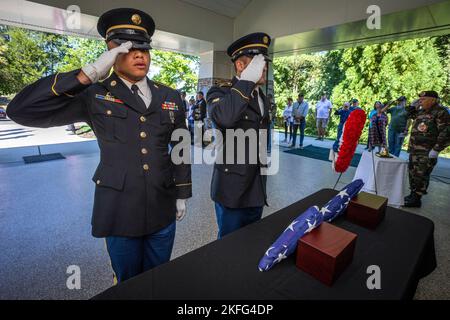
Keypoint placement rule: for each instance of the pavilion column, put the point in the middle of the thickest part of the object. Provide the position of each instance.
(270, 83)
(215, 68)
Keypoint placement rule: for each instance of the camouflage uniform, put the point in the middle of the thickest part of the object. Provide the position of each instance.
(430, 130)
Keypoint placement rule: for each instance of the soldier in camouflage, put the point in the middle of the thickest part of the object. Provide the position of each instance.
(430, 134)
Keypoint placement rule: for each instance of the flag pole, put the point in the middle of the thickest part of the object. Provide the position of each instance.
(374, 173)
(339, 178)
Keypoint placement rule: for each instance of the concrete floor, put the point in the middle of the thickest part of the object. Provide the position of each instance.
(45, 212)
(13, 135)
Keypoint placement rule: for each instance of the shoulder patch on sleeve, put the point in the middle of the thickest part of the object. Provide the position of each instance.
(225, 84)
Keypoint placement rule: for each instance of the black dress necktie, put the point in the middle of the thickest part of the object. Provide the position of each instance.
(139, 100)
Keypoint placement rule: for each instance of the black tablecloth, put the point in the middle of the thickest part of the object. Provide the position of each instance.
(402, 246)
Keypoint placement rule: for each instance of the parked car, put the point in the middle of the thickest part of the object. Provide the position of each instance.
(2, 113)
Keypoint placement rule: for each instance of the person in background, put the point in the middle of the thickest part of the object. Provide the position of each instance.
(323, 111)
(377, 132)
(287, 118)
(355, 104)
(272, 120)
(299, 113)
(343, 113)
(398, 126)
(183, 100)
(200, 116)
(190, 117)
(369, 117)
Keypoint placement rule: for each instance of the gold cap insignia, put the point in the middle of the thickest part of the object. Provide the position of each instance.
(113, 83)
(136, 18)
(266, 40)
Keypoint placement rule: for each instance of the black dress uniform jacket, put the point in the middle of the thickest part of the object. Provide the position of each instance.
(200, 110)
(235, 106)
(136, 182)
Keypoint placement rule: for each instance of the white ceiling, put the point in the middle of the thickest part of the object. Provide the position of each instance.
(229, 8)
(40, 17)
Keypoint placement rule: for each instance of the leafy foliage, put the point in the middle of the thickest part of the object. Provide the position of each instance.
(30, 55)
(375, 72)
(176, 70)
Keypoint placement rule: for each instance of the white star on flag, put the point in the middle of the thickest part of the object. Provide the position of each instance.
(310, 226)
(281, 256)
(324, 210)
(343, 194)
(267, 252)
(291, 226)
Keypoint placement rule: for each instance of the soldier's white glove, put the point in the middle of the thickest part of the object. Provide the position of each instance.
(100, 68)
(254, 70)
(433, 154)
(181, 209)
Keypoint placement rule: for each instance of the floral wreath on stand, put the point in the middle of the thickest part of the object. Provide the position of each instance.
(351, 133)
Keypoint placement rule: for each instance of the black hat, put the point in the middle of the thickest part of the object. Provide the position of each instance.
(354, 100)
(126, 24)
(401, 98)
(430, 94)
(251, 44)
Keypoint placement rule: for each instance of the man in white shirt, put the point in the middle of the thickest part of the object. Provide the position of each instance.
(323, 111)
(299, 113)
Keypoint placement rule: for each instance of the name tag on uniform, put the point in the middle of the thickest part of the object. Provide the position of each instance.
(109, 98)
(167, 105)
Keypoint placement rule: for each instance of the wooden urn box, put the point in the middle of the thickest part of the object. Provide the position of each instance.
(367, 210)
(325, 252)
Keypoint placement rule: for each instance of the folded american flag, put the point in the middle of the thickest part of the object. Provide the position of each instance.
(305, 223)
(287, 241)
(337, 205)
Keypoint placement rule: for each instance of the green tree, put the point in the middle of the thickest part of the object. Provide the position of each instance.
(443, 46)
(80, 52)
(23, 59)
(294, 75)
(176, 70)
(375, 72)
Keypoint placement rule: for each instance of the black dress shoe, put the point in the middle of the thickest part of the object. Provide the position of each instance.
(408, 197)
(413, 201)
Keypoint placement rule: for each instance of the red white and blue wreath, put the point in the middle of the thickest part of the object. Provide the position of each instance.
(348, 142)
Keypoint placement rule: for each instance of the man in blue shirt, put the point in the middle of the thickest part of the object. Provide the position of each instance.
(299, 113)
(343, 113)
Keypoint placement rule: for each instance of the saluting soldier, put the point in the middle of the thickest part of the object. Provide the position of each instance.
(139, 191)
(430, 134)
(238, 190)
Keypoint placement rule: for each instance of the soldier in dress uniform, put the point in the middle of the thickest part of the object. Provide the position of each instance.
(239, 190)
(139, 192)
(430, 134)
(200, 107)
(199, 113)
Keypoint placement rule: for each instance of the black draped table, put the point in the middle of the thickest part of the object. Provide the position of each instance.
(402, 246)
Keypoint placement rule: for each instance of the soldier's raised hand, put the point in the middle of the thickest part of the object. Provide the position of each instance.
(101, 67)
(254, 70)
